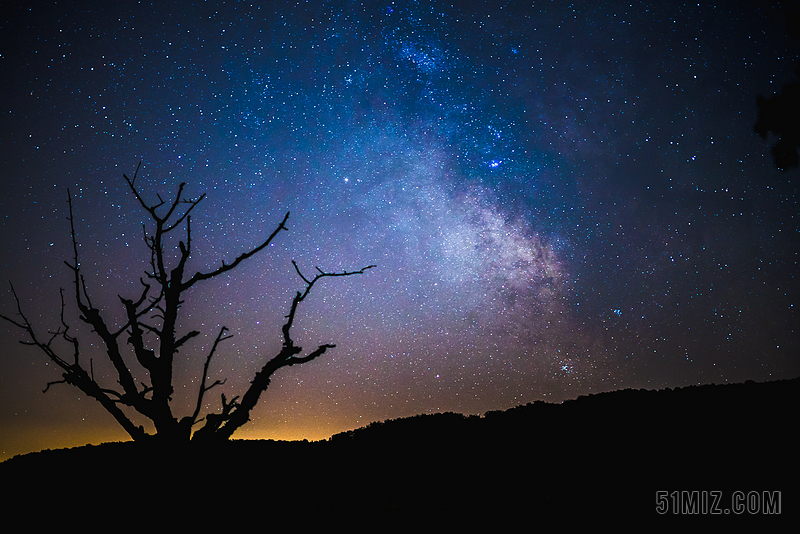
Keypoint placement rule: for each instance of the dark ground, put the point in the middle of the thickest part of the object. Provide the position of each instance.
(597, 458)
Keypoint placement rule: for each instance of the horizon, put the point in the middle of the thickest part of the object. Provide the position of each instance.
(479, 415)
(4, 456)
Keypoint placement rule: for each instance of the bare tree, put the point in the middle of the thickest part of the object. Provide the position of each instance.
(151, 320)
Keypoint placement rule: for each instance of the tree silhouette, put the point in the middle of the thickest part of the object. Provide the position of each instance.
(780, 114)
(151, 321)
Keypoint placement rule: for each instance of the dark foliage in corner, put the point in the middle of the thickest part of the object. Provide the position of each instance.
(780, 114)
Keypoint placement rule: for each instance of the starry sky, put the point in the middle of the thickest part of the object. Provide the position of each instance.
(562, 198)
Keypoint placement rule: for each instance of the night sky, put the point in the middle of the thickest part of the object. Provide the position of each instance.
(561, 199)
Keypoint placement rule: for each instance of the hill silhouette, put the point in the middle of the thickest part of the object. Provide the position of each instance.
(604, 454)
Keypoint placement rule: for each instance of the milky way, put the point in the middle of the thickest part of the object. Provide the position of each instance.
(561, 198)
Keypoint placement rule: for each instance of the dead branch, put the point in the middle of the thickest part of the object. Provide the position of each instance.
(225, 267)
(203, 388)
(222, 426)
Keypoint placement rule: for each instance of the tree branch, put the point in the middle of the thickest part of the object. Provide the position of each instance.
(300, 297)
(26, 326)
(222, 426)
(62, 381)
(220, 337)
(225, 268)
(73, 374)
(93, 317)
